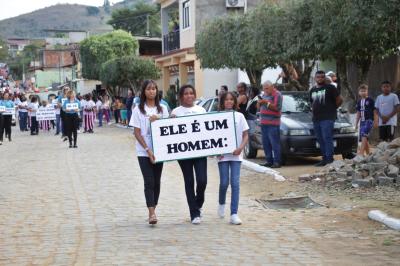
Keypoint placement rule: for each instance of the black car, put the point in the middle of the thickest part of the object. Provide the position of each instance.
(297, 132)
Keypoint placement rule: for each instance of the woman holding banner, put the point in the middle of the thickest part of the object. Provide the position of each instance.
(146, 112)
(71, 109)
(229, 164)
(187, 96)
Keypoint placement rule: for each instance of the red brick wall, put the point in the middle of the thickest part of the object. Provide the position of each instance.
(57, 58)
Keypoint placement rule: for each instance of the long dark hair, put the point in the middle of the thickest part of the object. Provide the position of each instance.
(143, 96)
(221, 106)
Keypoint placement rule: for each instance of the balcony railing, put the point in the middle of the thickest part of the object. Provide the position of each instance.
(171, 41)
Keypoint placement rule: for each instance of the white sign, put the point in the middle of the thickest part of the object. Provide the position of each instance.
(71, 106)
(2, 109)
(63, 101)
(46, 113)
(9, 111)
(193, 136)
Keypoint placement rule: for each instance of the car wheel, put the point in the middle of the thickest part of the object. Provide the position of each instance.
(249, 151)
(348, 155)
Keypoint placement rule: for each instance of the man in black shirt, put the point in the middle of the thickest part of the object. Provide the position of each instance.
(325, 99)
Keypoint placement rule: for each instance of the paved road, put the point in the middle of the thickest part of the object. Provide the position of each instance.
(85, 206)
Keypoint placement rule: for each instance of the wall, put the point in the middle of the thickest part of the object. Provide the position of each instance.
(188, 35)
(86, 86)
(52, 75)
(212, 80)
(56, 58)
(76, 37)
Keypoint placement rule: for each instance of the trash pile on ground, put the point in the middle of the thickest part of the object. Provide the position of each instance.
(381, 168)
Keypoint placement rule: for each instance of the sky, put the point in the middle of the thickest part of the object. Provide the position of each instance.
(13, 8)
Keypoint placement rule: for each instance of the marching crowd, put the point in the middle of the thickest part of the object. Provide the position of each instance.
(142, 110)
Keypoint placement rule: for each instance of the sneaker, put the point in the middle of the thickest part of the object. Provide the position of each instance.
(235, 219)
(70, 146)
(266, 164)
(221, 210)
(196, 220)
(320, 164)
(79, 131)
(276, 165)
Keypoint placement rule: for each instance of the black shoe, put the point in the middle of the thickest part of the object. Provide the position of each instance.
(276, 165)
(266, 164)
(65, 139)
(75, 146)
(9, 138)
(70, 145)
(320, 164)
(56, 134)
(26, 129)
(32, 134)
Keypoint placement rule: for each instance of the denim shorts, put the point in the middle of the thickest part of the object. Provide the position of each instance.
(365, 128)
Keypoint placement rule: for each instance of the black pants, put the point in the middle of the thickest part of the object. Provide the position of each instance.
(152, 180)
(1, 127)
(195, 200)
(7, 125)
(62, 116)
(71, 127)
(386, 133)
(34, 125)
(116, 116)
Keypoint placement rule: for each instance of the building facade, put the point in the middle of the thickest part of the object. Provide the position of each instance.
(181, 20)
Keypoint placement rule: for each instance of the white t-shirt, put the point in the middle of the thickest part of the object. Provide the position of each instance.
(184, 111)
(34, 107)
(23, 104)
(98, 105)
(89, 105)
(142, 121)
(240, 126)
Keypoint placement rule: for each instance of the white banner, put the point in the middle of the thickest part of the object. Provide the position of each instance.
(71, 106)
(193, 136)
(46, 113)
(7, 111)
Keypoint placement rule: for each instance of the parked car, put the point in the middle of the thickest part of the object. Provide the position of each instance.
(297, 131)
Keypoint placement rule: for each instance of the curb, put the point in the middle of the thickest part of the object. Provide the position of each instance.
(265, 170)
(382, 217)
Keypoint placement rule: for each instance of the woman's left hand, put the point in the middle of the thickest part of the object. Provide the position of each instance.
(153, 118)
(238, 151)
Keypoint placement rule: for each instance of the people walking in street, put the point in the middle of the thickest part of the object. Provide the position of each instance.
(89, 110)
(99, 104)
(106, 109)
(146, 112)
(325, 99)
(229, 164)
(72, 108)
(45, 125)
(62, 98)
(187, 96)
(6, 102)
(33, 107)
(23, 113)
(270, 106)
(387, 106)
(365, 117)
(242, 99)
(129, 104)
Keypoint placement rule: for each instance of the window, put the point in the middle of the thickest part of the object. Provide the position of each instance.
(207, 105)
(186, 14)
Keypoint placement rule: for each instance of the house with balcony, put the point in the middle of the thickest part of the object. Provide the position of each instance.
(181, 20)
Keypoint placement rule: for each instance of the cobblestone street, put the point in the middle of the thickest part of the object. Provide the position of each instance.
(85, 206)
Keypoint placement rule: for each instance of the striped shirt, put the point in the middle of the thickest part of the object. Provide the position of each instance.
(268, 116)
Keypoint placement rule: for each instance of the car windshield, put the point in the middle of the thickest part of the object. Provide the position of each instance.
(296, 103)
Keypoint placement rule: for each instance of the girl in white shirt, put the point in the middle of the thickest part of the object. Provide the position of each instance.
(187, 96)
(229, 164)
(146, 112)
(32, 108)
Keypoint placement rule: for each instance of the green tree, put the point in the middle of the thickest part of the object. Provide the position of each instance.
(142, 20)
(98, 49)
(127, 71)
(231, 42)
